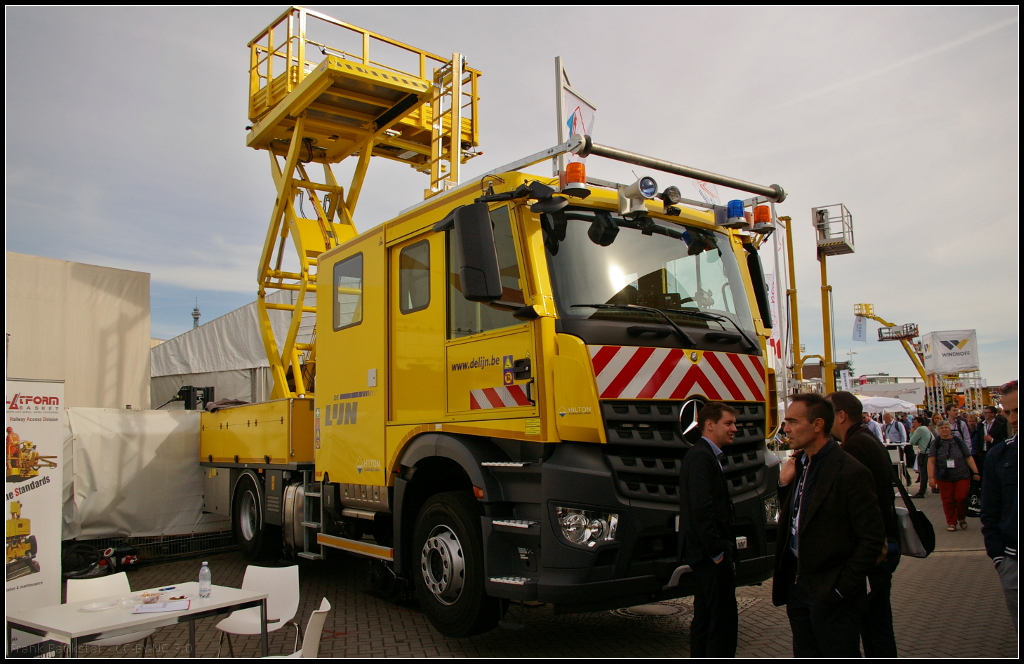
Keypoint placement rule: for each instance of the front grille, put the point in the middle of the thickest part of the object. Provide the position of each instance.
(647, 423)
(645, 447)
(656, 423)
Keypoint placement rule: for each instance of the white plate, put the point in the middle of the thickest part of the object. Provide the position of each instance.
(99, 606)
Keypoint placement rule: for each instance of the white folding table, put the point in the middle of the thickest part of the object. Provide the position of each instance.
(67, 623)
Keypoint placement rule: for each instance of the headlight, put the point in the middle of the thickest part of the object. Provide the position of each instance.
(771, 509)
(586, 527)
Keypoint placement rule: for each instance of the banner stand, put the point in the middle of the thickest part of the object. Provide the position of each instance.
(32, 496)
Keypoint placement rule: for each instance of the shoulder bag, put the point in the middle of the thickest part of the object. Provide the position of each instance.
(917, 537)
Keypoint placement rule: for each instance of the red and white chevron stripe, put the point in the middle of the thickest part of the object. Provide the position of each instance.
(498, 397)
(632, 372)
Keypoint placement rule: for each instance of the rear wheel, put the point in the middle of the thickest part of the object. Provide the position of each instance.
(449, 560)
(255, 538)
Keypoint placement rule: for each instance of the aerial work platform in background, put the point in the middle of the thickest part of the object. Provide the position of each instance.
(402, 103)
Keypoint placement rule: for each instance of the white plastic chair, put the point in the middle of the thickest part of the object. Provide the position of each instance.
(114, 585)
(314, 630)
(281, 584)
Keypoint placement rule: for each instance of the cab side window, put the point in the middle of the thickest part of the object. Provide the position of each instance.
(465, 317)
(414, 277)
(348, 292)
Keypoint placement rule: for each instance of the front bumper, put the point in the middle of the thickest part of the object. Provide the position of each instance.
(527, 558)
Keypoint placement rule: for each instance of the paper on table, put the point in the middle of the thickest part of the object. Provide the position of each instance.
(160, 607)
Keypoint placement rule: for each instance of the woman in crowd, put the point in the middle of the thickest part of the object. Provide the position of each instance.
(920, 439)
(951, 468)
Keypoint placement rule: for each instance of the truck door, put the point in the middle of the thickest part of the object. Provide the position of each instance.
(417, 318)
(487, 345)
(351, 380)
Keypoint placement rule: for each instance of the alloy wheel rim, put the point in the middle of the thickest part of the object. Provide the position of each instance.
(443, 565)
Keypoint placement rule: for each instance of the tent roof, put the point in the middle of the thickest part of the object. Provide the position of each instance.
(229, 342)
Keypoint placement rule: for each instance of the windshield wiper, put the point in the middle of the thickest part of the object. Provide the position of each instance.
(687, 339)
(719, 318)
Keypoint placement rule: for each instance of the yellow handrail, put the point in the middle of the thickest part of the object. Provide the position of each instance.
(292, 50)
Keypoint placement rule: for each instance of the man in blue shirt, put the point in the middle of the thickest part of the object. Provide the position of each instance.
(707, 538)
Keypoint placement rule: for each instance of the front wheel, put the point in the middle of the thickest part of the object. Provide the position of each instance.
(449, 575)
(255, 538)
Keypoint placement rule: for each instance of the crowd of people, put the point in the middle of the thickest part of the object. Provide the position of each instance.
(839, 541)
(947, 450)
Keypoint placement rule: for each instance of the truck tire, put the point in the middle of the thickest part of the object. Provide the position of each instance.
(448, 562)
(256, 539)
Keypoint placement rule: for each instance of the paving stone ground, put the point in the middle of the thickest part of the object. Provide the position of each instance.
(947, 605)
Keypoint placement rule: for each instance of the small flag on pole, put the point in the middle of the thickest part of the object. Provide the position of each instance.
(860, 329)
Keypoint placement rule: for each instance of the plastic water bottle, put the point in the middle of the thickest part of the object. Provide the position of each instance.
(205, 580)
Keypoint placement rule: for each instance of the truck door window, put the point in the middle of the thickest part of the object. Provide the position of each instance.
(414, 277)
(348, 292)
(465, 317)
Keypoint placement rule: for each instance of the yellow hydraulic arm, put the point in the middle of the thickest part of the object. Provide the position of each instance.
(342, 106)
(868, 311)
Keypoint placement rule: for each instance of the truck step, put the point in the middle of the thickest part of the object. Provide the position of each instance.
(310, 556)
(310, 524)
(510, 580)
(514, 523)
(504, 464)
(312, 495)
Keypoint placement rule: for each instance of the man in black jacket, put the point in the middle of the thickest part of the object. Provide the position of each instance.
(832, 535)
(994, 431)
(999, 498)
(877, 632)
(706, 523)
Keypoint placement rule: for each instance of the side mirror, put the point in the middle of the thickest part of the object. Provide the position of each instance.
(759, 283)
(474, 246)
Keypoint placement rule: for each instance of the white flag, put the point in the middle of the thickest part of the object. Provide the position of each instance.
(860, 329)
(708, 192)
(579, 117)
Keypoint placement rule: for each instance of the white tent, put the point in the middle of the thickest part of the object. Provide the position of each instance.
(226, 353)
(886, 405)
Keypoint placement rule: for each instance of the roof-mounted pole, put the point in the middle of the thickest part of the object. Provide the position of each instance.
(772, 192)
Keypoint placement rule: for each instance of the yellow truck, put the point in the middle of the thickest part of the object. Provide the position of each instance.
(504, 378)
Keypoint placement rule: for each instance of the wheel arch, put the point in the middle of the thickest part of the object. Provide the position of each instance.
(433, 463)
(260, 498)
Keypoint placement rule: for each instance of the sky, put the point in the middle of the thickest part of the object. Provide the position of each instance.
(125, 141)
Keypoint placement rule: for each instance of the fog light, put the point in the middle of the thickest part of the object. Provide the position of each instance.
(771, 510)
(586, 527)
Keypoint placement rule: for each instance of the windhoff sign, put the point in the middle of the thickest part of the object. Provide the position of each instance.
(950, 352)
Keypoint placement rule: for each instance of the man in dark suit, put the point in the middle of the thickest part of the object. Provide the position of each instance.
(877, 633)
(832, 535)
(706, 523)
(994, 431)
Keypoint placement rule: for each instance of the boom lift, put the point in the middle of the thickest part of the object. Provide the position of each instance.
(891, 332)
(504, 378)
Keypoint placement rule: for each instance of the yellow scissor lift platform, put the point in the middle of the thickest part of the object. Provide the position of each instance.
(402, 103)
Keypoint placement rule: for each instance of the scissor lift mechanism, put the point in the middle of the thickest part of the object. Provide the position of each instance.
(346, 105)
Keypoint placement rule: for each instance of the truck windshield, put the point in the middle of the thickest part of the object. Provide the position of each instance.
(683, 271)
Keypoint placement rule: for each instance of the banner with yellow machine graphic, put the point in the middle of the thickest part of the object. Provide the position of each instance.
(32, 491)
